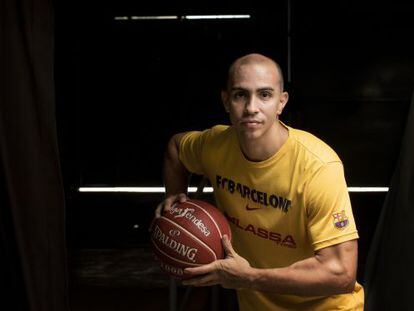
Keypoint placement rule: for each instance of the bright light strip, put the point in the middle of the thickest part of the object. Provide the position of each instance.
(169, 17)
(121, 18)
(194, 189)
(215, 16)
(154, 17)
(136, 189)
(368, 189)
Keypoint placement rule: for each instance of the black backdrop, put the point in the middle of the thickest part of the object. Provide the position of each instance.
(125, 86)
(137, 82)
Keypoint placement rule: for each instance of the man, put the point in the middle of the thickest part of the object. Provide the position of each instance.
(284, 193)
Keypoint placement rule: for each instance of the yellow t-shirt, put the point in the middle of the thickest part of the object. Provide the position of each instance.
(281, 210)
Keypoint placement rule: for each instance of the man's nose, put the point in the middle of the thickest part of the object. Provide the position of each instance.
(251, 106)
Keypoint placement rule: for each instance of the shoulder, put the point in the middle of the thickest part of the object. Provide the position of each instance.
(220, 130)
(214, 133)
(211, 136)
(313, 147)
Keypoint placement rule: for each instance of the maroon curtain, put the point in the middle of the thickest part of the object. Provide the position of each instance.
(32, 245)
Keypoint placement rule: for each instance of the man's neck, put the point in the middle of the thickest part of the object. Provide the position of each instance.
(263, 148)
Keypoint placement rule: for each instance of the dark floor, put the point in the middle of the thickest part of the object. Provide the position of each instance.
(130, 279)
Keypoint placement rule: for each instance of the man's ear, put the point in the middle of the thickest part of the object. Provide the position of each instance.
(284, 97)
(225, 100)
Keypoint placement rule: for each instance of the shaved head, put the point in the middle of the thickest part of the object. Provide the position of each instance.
(253, 59)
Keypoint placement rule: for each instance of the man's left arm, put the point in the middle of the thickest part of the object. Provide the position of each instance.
(332, 270)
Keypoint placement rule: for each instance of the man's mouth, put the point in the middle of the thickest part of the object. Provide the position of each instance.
(250, 123)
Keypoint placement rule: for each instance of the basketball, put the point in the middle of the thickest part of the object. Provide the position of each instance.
(188, 235)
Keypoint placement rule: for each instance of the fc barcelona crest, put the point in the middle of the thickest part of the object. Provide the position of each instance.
(340, 220)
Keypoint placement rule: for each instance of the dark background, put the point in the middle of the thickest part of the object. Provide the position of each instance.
(124, 87)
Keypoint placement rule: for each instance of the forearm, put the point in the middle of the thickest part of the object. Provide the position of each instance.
(174, 173)
(309, 277)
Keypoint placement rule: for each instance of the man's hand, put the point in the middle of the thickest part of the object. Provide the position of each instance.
(168, 202)
(231, 272)
(166, 205)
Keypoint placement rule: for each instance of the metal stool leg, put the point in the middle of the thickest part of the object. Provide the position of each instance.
(215, 291)
(173, 294)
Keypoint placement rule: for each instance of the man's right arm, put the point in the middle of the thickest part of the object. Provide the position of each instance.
(175, 175)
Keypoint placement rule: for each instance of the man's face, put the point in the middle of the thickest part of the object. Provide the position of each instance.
(254, 99)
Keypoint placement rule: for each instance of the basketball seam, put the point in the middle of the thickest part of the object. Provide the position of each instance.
(192, 236)
(212, 219)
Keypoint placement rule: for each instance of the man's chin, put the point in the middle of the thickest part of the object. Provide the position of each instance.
(250, 133)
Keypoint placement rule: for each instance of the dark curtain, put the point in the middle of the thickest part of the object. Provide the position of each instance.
(32, 244)
(390, 264)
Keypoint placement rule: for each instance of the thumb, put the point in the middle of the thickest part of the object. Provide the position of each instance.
(228, 248)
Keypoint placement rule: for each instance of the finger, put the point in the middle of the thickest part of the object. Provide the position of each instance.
(172, 199)
(168, 202)
(159, 210)
(205, 280)
(228, 248)
(201, 269)
(182, 197)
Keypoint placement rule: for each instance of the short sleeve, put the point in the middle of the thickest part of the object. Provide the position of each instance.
(328, 206)
(190, 152)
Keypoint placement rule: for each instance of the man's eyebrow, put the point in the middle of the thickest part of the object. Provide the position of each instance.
(238, 88)
(266, 89)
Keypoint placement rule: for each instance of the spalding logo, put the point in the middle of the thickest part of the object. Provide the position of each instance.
(188, 214)
(178, 247)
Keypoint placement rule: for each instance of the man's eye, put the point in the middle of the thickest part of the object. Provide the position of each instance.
(239, 95)
(266, 95)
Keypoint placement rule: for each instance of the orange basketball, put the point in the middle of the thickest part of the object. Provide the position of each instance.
(189, 235)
